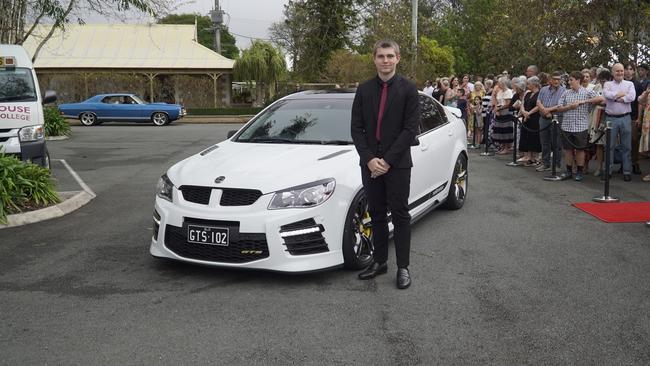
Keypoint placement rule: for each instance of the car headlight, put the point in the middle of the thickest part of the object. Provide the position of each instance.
(31, 133)
(164, 188)
(304, 196)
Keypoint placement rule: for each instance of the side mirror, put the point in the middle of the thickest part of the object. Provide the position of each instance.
(50, 97)
(231, 133)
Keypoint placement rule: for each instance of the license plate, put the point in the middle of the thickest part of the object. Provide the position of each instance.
(207, 235)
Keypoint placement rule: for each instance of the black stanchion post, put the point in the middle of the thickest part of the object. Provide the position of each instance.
(606, 198)
(485, 139)
(553, 177)
(514, 143)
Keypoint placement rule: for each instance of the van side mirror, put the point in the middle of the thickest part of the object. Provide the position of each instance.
(231, 133)
(50, 97)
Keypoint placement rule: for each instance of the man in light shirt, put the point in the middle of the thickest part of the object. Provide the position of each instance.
(428, 88)
(619, 94)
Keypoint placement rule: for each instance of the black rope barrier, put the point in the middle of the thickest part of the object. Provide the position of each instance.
(486, 137)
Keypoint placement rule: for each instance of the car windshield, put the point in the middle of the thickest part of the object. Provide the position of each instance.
(302, 121)
(137, 99)
(17, 85)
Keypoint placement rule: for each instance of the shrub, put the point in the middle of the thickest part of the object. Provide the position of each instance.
(23, 186)
(55, 124)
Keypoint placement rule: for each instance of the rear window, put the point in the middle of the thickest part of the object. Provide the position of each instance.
(17, 85)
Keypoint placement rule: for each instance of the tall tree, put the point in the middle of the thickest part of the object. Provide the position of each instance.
(263, 64)
(205, 35)
(312, 30)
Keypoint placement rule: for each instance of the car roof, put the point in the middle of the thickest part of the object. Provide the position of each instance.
(113, 95)
(328, 94)
(323, 94)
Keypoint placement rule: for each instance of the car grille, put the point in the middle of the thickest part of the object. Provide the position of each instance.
(302, 244)
(229, 196)
(239, 197)
(242, 248)
(196, 194)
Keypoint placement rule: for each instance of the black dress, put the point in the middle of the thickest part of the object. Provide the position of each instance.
(529, 139)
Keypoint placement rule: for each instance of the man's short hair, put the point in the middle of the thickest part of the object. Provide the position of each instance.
(556, 74)
(385, 43)
(644, 67)
(605, 75)
(534, 67)
(576, 75)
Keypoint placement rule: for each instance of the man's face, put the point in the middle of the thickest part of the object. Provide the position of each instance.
(574, 83)
(618, 72)
(555, 81)
(643, 73)
(629, 72)
(386, 60)
(530, 72)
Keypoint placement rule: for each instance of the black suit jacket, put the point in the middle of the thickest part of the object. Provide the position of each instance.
(399, 125)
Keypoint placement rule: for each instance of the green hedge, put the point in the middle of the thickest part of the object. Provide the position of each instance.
(23, 186)
(222, 111)
(55, 124)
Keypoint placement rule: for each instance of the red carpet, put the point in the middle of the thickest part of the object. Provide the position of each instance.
(617, 212)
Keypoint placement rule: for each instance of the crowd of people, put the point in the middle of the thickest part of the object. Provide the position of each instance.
(582, 103)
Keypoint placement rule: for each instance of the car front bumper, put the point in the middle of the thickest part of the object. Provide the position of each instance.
(259, 238)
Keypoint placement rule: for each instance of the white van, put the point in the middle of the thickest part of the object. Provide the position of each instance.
(22, 130)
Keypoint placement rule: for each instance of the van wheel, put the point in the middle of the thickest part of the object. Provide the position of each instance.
(45, 160)
(357, 235)
(458, 189)
(88, 119)
(159, 119)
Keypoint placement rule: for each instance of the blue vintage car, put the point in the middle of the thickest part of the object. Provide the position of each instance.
(121, 108)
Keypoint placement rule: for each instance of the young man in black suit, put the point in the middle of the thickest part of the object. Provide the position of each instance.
(385, 122)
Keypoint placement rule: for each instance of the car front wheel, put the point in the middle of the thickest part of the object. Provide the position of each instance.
(458, 189)
(88, 119)
(357, 235)
(159, 119)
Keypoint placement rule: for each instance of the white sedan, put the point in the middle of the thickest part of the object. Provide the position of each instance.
(284, 193)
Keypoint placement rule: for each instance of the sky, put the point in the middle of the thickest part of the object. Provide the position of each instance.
(244, 18)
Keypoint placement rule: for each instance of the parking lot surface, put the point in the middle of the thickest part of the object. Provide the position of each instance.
(518, 276)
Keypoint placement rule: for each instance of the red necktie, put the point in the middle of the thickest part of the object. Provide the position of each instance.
(382, 105)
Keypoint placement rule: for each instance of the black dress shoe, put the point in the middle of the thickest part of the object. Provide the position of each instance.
(373, 270)
(636, 169)
(627, 177)
(403, 278)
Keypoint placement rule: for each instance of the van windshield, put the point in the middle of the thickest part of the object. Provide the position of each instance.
(17, 85)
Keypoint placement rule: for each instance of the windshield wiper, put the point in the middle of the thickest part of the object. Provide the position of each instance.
(336, 142)
(273, 140)
(18, 97)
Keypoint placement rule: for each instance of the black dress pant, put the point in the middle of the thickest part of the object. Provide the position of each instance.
(389, 191)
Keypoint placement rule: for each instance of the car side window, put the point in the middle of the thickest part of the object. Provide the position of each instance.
(430, 114)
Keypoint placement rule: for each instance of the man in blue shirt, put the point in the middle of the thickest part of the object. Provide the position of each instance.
(548, 98)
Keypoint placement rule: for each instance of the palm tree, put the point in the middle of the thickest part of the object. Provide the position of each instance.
(263, 64)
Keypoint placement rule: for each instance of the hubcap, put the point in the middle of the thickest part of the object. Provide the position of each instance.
(461, 181)
(159, 118)
(87, 119)
(362, 230)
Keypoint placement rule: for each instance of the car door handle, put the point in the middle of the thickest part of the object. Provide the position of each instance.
(424, 147)
(450, 133)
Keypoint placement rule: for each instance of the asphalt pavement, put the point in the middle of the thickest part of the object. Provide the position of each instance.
(517, 276)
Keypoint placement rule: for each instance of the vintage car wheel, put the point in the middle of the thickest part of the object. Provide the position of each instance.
(357, 235)
(159, 119)
(88, 119)
(458, 189)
